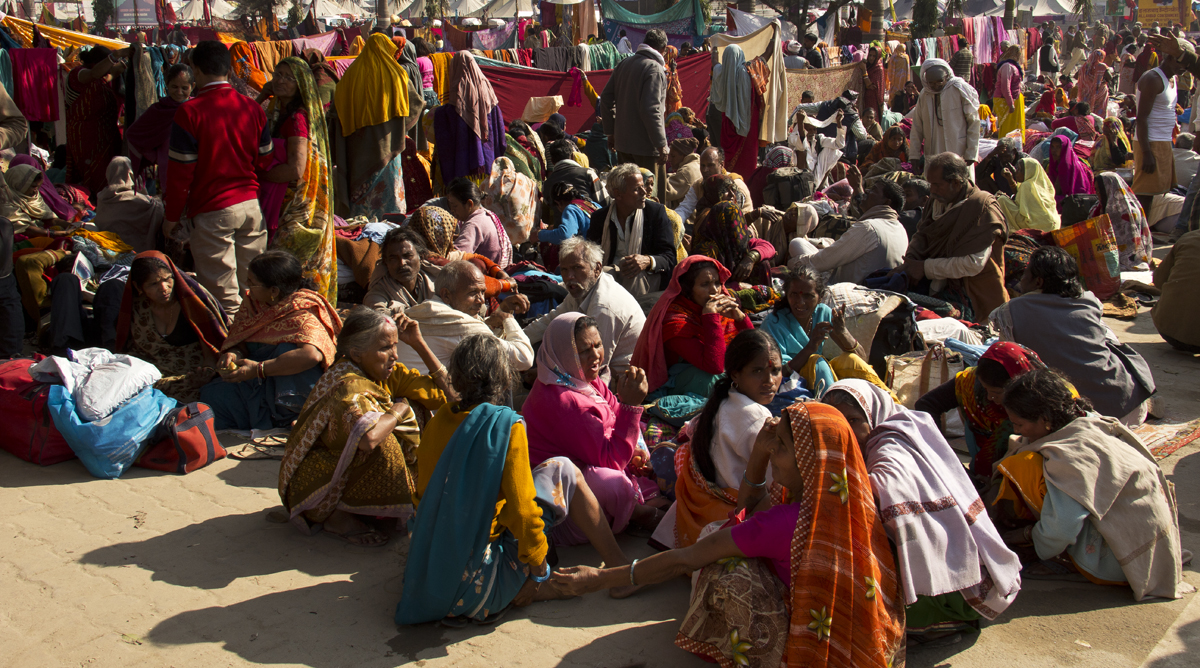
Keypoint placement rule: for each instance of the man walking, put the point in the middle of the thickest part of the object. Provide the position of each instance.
(636, 95)
(217, 140)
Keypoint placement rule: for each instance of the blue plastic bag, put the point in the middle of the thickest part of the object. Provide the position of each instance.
(109, 446)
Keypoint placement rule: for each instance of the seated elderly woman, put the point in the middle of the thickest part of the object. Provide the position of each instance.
(714, 454)
(479, 231)
(571, 413)
(482, 511)
(281, 341)
(823, 589)
(122, 210)
(1081, 493)
(954, 567)
(170, 320)
(455, 311)
(1064, 325)
(975, 392)
(353, 450)
(437, 229)
(25, 207)
(723, 234)
(1033, 205)
(399, 281)
(682, 344)
(801, 325)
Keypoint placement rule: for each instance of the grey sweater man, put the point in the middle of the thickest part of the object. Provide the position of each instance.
(637, 95)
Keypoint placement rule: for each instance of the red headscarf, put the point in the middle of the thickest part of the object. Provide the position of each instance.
(203, 312)
(649, 353)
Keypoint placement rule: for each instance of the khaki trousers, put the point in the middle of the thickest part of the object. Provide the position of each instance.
(223, 244)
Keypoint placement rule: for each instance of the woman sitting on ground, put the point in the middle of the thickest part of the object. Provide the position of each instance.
(1082, 494)
(1033, 206)
(24, 206)
(801, 323)
(682, 344)
(479, 231)
(1061, 322)
(170, 320)
(893, 145)
(437, 229)
(713, 458)
(1113, 150)
(353, 450)
(954, 567)
(1066, 171)
(479, 541)
(281, 341)
(1079, 121)
(571, 413)
(975, 392)
(400, 280)
(724, 235)
(135, 217)
(824, 591)
(1134, 241)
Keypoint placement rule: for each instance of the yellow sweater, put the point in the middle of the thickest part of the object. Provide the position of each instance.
(516, 509)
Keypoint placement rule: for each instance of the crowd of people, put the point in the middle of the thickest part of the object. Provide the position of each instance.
(512, 339)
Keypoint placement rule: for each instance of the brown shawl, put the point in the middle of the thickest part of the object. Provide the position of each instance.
(965, 228)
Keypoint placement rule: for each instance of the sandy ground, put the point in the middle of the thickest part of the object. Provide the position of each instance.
(159, 570)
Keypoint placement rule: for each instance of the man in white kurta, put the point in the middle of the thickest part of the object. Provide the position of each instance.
(946, 118)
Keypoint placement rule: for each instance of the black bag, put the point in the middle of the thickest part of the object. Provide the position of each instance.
(897, 334)
(787, 185)
(832, 226)
(1077, 208)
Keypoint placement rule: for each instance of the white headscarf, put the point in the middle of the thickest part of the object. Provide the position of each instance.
(970, 95)
(731, 88)
(944, 538)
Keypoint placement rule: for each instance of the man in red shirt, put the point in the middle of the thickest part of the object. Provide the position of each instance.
(218, 139)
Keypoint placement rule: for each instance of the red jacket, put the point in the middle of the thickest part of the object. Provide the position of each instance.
(218, 140)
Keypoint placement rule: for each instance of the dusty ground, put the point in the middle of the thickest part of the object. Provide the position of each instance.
(159, 570)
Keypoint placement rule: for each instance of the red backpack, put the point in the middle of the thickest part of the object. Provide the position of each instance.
(28, 431)
(184, 441)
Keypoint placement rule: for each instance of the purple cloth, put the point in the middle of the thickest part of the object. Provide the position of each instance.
(495, 38)
(460, 151)
(323, 43)
(61, 207)
(768, 534)
(1068, 174)
(270, 195)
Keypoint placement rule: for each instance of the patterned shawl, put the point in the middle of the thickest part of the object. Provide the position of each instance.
(23, 210)
(779, 156)
(846, 604)
(944, 538)
(59, 206)
(1102, 158)
(1129, 224)
(302, 317)
(1068, 174)
(987, 423)
(437, 227)
(723, 234)
(203, 313)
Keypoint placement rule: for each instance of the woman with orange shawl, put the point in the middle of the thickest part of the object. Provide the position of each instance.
(899, 70)
(714, 448)
(1093, 83)
(808, 583)
(674, 88)
(281, 341)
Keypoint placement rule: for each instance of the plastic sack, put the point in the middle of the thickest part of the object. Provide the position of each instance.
(98, 381)
(109, 446)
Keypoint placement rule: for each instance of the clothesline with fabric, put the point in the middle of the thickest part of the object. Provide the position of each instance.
(58, 37)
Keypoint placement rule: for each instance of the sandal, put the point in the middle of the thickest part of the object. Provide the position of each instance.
(350, 537)
(493, 618)
(456, 622)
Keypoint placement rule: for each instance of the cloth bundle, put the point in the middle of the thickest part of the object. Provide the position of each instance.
(98, 381)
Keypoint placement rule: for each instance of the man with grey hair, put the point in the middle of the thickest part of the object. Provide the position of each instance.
(958, 248)
(1186, 158)
(635, 235)
(456, 312)
(594, 293)
(712, 163)
(946, 118)
(636, 94)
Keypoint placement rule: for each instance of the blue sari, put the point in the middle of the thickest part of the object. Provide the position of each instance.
(454, 568)
(792, 338)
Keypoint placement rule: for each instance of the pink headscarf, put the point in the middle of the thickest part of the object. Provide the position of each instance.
(558, 358)
(1068, 174)
(649, 353)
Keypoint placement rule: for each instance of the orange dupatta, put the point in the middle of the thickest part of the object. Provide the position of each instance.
(699, 502)
(847, 608)
(303, 317)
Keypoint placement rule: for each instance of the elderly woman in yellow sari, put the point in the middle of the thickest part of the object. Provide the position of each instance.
(374, 107)
(1008, 101)
(1034, 205)
(1113, 151)
(353, 450)
(297, 191)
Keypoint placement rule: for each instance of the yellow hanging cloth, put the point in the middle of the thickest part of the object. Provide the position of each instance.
(375, 88)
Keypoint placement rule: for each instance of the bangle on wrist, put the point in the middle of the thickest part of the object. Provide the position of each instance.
(262, 370)
(755, 485)
(632, 580)
(541, 578)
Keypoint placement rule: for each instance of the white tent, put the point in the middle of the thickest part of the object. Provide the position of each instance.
(193, 10)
